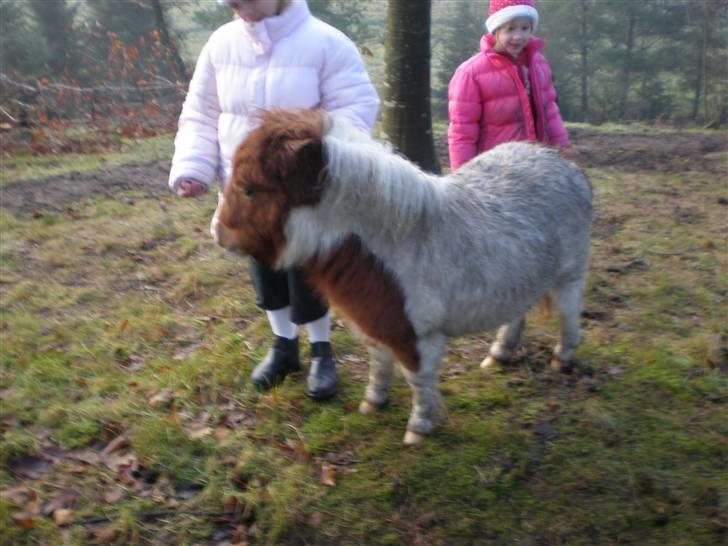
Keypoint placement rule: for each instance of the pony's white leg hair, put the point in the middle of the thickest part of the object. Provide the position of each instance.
(505, 344)
(381, 374)
(567, 297)
(427, 405)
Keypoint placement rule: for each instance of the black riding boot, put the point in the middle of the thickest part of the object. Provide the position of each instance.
(322, 382)
(281, 360)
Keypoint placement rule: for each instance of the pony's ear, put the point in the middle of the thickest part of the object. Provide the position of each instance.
(298, 164)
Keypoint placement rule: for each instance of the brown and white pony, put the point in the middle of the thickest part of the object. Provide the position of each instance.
(411, 258)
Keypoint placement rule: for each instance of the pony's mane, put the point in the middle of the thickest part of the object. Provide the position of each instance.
(365, 175)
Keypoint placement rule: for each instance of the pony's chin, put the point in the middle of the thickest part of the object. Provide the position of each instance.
(236, 251)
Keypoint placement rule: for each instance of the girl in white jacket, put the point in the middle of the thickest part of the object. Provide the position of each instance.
(274, 55)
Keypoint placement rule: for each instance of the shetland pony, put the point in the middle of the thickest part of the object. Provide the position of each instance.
(411, 258)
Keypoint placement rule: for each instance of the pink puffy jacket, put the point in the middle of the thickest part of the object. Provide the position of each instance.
(489, 105)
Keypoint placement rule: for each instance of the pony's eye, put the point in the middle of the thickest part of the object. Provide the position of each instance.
(248, 191)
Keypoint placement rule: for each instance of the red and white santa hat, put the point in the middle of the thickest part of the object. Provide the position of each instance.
(502, 11)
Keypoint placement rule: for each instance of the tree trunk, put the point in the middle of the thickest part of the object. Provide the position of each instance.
(407, 118)
(704, 64)
(627, 64)
(167, 41)
(584, 62)
(54, 19)
(698, 83)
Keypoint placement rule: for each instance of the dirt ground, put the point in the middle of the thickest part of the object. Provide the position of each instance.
(57, 192)
(662, 151)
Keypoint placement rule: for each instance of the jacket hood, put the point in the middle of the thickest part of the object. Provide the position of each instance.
(271, 29)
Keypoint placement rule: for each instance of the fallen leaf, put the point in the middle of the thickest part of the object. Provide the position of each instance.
(238, 419)
(6, 393)
(328, 475)
(220, 433)
(230, 460)
(30, 466)
(117, 462)
(115, 445)
(124, 476)
(60, 501)
(163, 398)
(230, 503)
(340, 458)
(114, 494)
(63, 516)
(426, 519)
(132, 364)
(105, 534)
(18, 494)
(88, 456)
(24, 519)
(316, 519)
(10, 421)
(183, 353)
(52, 452)
(199, 433)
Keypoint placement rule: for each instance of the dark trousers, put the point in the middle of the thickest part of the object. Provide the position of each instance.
(278, 289)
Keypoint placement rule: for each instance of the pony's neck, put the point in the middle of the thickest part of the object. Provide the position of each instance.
(366, 181)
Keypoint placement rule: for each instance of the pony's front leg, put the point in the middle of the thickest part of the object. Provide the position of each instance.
(427, 406)
(381, 374)
(505, 344)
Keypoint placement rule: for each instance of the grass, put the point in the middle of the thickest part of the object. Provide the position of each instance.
(123, 320)
(29, 167)
(636, 128)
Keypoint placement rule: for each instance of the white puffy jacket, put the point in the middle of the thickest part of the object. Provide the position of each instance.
(288, 61)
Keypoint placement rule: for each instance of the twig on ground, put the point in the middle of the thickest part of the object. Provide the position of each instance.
(151, 515)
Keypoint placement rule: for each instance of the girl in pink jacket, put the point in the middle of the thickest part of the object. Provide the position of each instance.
(504, 92)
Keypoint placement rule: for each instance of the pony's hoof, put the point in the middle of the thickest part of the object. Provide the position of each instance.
(557, 364)
(367, 408)
(413, 438)
(490, 362)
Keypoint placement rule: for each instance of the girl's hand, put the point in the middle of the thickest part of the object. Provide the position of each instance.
(191, 188)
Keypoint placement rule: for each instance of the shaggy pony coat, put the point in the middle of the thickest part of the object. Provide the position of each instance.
(409, 257)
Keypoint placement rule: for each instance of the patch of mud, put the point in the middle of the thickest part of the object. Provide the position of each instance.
(55, 192)
(665, 152)
(633, 152)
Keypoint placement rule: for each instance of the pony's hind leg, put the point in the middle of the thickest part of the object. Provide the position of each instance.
(381, 374)
(427, 406)
(567, 298)
(505, 344)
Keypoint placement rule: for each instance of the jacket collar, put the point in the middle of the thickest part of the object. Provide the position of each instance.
(272, 29)
(487, 46)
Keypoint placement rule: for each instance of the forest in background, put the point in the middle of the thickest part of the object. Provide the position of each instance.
(120, 69)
